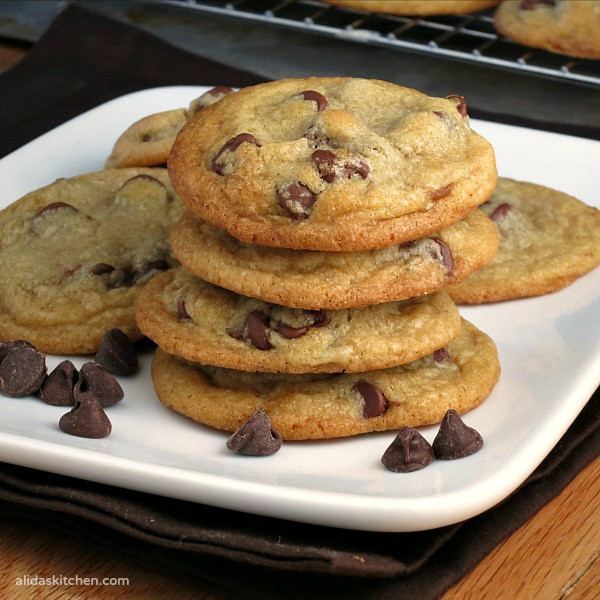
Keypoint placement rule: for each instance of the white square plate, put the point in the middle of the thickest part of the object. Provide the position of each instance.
(549, 350)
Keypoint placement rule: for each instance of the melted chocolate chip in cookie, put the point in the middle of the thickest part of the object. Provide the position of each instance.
(232, 145)
(54, 206)
(446, 253)
(461, 105)
(500, 211)
(374, 401)
(255, 437)
(296, 200)
(256, 328)
(321, 101)
(332, 167)
(409, 452)
(101, 269)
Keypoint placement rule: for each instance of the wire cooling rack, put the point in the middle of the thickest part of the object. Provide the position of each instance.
(470, 38)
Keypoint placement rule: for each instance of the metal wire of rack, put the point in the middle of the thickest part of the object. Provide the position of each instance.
(469, 37)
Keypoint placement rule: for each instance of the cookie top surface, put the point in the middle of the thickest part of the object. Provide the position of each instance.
(196, 320)
(547, 240)
(571, 28)
(148, 142)
(324, 405)
(417, 7)
(74, 254)
(334, 164)
(335, 280)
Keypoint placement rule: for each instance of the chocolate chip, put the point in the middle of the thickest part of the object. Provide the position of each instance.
(146, 137)
(101, 269)
(55, 206)
(57, 388)
(374, 401)
(255, 437)
(208, 98)
(533, 4)
(296, 200)
(182, 312)
(331, 167)
(22, 368)
(320, 318)
(231, 145)
(315, 137)
(446, 253)
(455, 439)
(256, 326)
(324, 161)
(289, 332)
(122, 277)
(441, 192)
(409, 452)
(441, 354)
(142, 177)
(117, 354)
(355, 166)
(219, 90)
(86, 419)
(321, 101)
(95, 380)
(461, 105)
(500, 211)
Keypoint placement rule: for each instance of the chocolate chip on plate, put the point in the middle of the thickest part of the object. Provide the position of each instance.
(57, 388)
(255, 437)
(374, 401)
(409, 452)
(455, 439)
(86, 419)
(117, 354)
(296, 200)
(22, 368)
(96, 380)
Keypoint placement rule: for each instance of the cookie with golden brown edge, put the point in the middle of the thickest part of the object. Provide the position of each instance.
(147, 142)
(547, 240)
(332, 164)
(317, 406)
(417, 7)
(74, 255)
(571, 28)
(196, 320)
(335, 280)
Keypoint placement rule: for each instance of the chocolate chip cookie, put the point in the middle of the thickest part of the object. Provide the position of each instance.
(147, 142)
(335, 280)
(332, 164)
(547, 240)
(196, 320)
(325, 405)
(74, 255)
(417, 7)
(568, 27)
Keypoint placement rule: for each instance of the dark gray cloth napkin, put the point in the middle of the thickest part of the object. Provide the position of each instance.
(85, 59)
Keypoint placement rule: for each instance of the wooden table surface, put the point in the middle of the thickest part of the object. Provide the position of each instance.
(554, 556)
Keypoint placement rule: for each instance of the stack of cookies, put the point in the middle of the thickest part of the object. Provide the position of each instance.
(325, 217)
